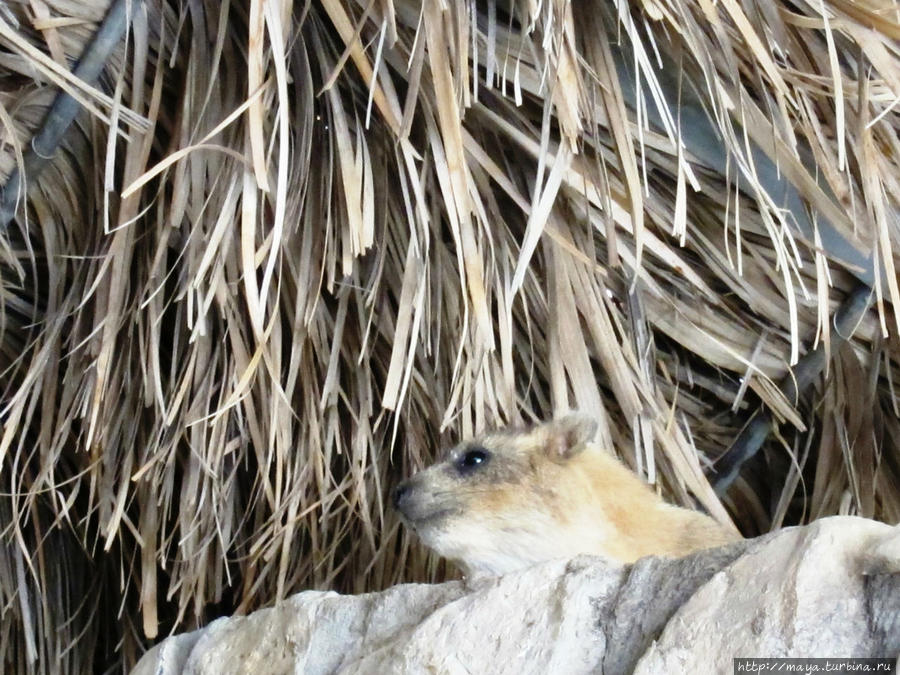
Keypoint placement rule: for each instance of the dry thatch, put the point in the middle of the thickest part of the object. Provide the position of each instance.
(292, 250)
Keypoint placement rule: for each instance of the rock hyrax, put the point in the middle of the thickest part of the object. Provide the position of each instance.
(509, 499)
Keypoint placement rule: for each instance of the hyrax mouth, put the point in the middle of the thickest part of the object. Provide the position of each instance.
(429, 520)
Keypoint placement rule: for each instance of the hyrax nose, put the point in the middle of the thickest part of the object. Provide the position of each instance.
(401, 494)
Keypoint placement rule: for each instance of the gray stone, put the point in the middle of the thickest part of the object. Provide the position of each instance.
(829, 589)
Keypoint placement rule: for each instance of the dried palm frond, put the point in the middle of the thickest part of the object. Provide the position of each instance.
(291, 250)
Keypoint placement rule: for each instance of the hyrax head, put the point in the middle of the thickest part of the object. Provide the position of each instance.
(504, 500)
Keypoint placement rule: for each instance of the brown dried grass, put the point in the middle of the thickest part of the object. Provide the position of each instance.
(291, 251)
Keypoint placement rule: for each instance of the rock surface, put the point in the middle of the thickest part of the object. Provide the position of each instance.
(829, 589)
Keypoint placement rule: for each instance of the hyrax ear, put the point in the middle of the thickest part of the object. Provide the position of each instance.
(569, 435)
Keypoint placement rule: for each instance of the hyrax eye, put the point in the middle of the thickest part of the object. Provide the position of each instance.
(472, 459)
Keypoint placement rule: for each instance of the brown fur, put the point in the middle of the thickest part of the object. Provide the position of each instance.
(541, 494)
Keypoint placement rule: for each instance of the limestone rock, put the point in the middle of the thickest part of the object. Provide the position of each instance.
(802, 594)
(828, 589)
